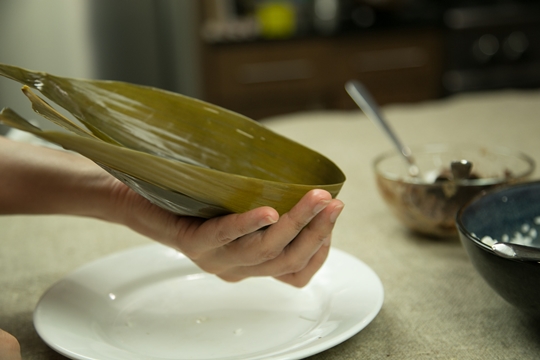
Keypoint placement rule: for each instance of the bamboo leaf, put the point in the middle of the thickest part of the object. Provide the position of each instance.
(194, 150)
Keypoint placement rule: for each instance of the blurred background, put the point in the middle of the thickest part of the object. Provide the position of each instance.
(268, 57)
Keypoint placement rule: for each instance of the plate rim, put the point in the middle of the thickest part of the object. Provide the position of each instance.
(303, 351)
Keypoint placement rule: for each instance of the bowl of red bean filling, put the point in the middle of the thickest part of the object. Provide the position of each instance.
(426, 201)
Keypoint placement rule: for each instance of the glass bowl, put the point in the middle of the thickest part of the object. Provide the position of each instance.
(428, 203)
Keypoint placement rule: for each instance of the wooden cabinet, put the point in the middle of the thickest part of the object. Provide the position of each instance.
(402, 66)
(265, 78)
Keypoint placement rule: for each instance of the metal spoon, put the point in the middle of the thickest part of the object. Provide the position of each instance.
(461, 170)
(365, 101)
(516, 252)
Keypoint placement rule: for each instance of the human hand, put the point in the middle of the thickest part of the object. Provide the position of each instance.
(290, 248)
(9, 347)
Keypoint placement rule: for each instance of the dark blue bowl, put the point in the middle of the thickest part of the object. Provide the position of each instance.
(510, 214)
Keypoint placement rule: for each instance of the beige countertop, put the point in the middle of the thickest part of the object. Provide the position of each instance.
(436, 306)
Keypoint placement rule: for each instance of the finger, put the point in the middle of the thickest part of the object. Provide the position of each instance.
(298, 254)
(198, 236)
(297, 279)
(302, 277)
(9, 346)
(261, 247)
(314, 235)
(292, 223)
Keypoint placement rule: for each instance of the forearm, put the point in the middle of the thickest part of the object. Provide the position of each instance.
(38, 180)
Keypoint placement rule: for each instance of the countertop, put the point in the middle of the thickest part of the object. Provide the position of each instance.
(436, 306)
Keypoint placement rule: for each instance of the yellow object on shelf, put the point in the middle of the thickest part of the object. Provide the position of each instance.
(277, 19)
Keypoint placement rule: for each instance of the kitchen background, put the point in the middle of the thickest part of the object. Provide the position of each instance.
(268, 57)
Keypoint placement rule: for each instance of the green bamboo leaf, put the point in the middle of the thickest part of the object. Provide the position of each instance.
(180, 145)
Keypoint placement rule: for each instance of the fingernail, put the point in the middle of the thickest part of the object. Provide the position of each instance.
(320, 206)
(335, 213)
(266, 221)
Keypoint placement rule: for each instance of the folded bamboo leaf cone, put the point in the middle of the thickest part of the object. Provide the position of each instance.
(186, 155)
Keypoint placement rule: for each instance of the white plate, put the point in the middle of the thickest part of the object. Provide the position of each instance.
(152, 302)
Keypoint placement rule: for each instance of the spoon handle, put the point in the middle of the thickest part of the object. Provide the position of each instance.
(363, 99)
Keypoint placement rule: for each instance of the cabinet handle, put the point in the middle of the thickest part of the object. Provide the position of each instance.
(390, 59)
(265, 72)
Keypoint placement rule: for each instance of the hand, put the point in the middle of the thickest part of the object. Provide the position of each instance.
(290, 248)
(258, 243)
(9, 347)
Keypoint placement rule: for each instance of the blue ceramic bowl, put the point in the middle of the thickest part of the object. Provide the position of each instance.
(509, 214)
